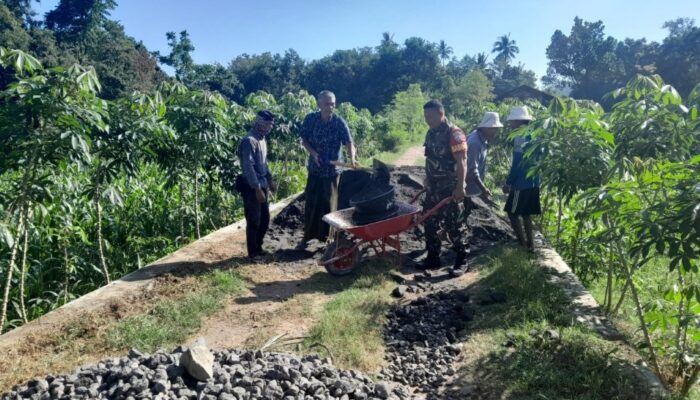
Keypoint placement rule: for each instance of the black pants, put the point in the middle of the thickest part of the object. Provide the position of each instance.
(257, 219)
(321, 198)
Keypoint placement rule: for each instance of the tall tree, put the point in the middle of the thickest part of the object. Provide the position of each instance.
(482, 61)
(679, 27)
(444, 51)
(388, 41)
(505, 48)
(215, 78)
(584, 61)
(679, 59)
(464, 97)
(22, 9)
(12, 33)
(180, 56)
(72, 19)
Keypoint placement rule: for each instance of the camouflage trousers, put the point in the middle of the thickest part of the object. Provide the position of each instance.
(451, 218)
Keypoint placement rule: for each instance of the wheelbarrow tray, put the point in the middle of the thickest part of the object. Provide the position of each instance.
(343, 253)
(404, 220)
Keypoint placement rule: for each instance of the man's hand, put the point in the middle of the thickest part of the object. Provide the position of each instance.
(486, 197)
(458, 194)
(260, 195)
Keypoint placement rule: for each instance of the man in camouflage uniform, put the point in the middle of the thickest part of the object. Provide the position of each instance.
(446, 159)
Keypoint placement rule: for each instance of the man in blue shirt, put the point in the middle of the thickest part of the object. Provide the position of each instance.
(523, 190)
(252, 152)
(323, 133)
(477, 152)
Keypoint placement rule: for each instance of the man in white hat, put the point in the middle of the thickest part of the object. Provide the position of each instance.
(477, 150)
(478, 147)
(523, 190)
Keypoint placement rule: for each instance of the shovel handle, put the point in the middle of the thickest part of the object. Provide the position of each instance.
(350, 166)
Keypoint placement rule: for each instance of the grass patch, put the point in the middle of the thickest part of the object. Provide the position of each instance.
(530, 296)
(351, 325)
(530, 346)
(578, 366)
(171, 322)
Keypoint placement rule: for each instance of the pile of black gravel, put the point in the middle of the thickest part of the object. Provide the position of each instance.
(422, 340)
(238, 375)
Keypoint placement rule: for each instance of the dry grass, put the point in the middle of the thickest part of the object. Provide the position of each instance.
(84, 338)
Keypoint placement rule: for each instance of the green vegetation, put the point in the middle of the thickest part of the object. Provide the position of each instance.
(106, 164)
(530, 346)
(630, 204)
(352, 323)
(94, 188)
(172, 322)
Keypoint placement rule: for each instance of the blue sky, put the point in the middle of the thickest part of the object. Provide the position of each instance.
(223, 29)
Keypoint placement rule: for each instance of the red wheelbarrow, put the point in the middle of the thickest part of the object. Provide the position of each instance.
(343, 254)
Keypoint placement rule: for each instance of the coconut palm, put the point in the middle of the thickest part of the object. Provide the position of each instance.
(482, 60)
(505, 48)
(444, 51)
(387, 40)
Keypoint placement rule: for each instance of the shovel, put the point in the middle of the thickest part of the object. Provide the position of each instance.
(350, 166)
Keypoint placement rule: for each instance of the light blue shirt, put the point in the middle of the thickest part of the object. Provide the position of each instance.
(477, 150)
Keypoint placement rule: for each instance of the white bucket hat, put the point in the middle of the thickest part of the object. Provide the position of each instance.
(490, 120)
(521, 113)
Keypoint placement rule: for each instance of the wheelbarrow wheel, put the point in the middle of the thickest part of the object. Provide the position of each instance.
(344, 265)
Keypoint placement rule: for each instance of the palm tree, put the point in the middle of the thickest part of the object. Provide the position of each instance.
(506, 48)
(482, 60)
(387, 40)
(444, 51)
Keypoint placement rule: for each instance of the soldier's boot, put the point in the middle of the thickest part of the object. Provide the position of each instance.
(461, 266)
(432, 261)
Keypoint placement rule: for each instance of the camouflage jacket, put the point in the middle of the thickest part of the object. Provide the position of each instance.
(439, 144)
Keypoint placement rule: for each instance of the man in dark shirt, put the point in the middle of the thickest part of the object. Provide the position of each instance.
(523, 190)
(252, 152)
(323, 133)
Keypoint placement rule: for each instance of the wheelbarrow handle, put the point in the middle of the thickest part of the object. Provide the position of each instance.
(422, 217)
